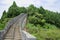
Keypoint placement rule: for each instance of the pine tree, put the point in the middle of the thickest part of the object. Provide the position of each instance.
(4, 15)
(12, 12)
(14, 4)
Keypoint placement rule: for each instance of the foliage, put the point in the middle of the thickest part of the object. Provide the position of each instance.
(14, 10)
(4, 15)
(42, 33)
(34, 16)
(3, 23)
(1, 26)
(41, 23)
(52, 18)
(41, 10)
(49, 26)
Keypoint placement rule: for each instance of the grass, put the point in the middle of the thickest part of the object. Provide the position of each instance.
(1, 26)
(46, 32)
(3, 23)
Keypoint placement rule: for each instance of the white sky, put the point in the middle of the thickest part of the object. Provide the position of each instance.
(53, 5)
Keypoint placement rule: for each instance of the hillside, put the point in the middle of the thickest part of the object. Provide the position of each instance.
(42, 23)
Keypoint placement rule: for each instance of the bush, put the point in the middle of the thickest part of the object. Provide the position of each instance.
(1, 26)
(49, 26)
(47, 32)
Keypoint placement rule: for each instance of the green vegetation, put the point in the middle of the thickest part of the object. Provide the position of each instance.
(3, 23)
(46, 32)
(42, 23)
(13, 11)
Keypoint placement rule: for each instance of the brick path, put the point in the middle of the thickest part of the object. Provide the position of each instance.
(13, 33)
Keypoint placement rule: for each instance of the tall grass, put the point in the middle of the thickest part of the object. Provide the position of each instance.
(46, 32)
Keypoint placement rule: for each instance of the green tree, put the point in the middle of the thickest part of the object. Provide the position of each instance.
(31, 10)
(14, 4)
(4, 15)
(13, 10)
(42, 10)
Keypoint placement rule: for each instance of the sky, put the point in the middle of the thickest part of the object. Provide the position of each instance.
(52, 5)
